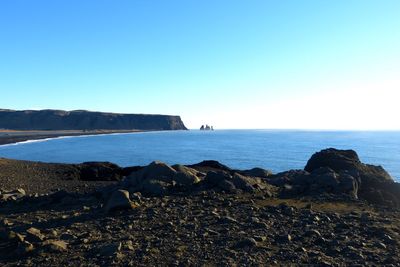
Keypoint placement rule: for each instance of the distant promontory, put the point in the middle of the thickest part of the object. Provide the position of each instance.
(53, 120)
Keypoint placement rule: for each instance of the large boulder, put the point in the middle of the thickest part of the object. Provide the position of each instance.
(210, 165)
(322, 181)
(244, 183)
(185, 176)
(119, 200)
(346, 160)
(368, 182)
(155, 187)
(233, 183)
(159, 170)
(159, 179)
(154, 171)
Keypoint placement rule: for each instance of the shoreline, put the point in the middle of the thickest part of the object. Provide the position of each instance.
(97, 213)
(8, 137)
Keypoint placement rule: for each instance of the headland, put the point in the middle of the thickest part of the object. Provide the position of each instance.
(23, 125)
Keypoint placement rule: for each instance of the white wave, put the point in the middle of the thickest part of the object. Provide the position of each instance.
(63, 137)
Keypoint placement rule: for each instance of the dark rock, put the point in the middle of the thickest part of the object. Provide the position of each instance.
(257, 172)
(154, 171)
(368, 182)
(129, 170)
(119, 200)
(246, 243)
(34, 235)
(110, 249)
(346, 160)
(212, 179)
(185, 176)
(58, 196)
(335, 159)
(243, 183)
(55, 245)
(24, 248)
(67, 237)
(210, 165)
(100, 171)
(227, 186)
(227, 219)
(155, 187)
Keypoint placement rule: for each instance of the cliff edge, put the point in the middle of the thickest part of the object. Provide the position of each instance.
(85, 120)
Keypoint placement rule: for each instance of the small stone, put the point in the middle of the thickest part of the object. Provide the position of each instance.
(260, 238)
(129, 245)
(6, 223)
(12, 236)
(34, 235)
(55, 245)
(255, 220)
(246, 243)
(110, 249)
(284, 238)
(289, 238)
(381, 245)
(227, 219)
(67, 236)
(24, 248)
(313, 233)
(137, 196)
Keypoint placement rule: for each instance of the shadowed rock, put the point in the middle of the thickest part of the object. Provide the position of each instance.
(119, 200)
(257, 172)
(346, 160)
(99, 171)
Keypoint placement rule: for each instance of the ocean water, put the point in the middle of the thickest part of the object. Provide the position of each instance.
(271, 149)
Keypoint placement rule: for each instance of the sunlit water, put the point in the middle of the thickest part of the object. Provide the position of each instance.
(241, 149)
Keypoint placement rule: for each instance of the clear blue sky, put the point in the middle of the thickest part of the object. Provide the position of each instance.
(234, 64)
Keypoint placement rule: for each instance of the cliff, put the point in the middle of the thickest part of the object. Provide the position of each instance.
(85, 120)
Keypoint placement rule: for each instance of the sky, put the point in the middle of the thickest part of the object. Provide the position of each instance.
(289, 64)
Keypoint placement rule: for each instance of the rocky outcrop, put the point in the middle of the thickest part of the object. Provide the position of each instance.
(340, 173)
(347, 160)
(322, 181)
(160, 179)
(374, 183)
(85, 120)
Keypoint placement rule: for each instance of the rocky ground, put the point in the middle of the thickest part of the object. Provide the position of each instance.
(208, 215)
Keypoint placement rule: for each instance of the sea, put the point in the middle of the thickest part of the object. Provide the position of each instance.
(276, 150)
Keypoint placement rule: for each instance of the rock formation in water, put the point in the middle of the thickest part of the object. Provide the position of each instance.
(206, 128)
(85, 120)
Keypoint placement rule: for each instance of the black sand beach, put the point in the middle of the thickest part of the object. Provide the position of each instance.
(10, 136)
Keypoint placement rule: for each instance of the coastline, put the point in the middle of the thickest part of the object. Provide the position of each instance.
(98, 213)
(12, 137)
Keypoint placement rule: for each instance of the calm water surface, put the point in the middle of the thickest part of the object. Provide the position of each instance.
(270, 149)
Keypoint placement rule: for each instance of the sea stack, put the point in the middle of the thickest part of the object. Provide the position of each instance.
(206, 128)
